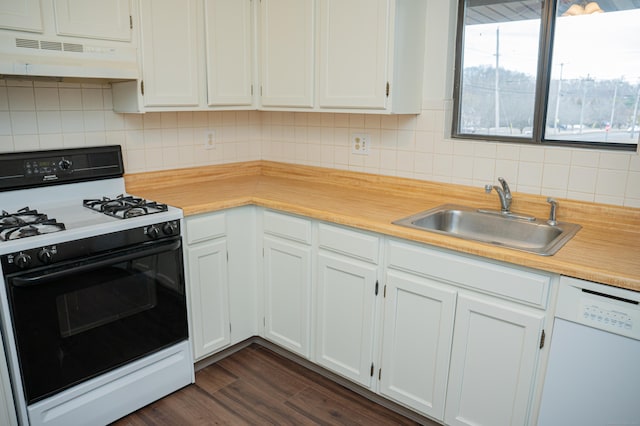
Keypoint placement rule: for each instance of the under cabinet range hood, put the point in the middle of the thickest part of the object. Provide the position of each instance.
(69, 39)
(27, 55)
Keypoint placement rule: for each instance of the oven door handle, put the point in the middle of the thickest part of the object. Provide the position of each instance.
(24, 281)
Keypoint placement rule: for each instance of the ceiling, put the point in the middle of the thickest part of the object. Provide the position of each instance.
(490, 11)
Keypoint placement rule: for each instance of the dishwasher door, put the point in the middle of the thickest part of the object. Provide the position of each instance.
(593, 375)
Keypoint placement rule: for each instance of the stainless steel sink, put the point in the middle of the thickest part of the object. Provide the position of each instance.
(516, 232)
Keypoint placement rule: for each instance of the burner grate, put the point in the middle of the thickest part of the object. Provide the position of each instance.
(26, 222)
(125, 206)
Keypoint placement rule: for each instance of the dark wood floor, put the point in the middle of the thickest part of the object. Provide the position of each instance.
(256, 386)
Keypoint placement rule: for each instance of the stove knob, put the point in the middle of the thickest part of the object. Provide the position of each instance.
(45, 255)
(153, 232)
(64, 164)
(169, 228)
(22, 260)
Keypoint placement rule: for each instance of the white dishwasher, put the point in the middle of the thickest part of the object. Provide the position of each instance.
(593, 375)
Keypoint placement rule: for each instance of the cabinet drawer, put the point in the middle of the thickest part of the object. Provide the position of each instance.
(352, 243)
(205, 227)
(515, 284)
(281, 225)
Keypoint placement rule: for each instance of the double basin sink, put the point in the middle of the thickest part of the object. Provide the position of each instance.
(494, 227)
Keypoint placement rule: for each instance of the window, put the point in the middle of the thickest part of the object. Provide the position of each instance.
(560, 72)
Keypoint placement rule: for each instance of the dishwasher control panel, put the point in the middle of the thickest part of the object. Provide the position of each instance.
(607, 308)
(601, 314)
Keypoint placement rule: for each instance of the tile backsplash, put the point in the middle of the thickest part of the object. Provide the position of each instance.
(50, 115)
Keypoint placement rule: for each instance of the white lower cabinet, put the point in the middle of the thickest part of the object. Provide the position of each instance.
(345, 297)
(287, 292)
(7, 410)
(418, 329)
(493, 362)
(462, 336)
(206, 255)
(287, 281)
(454, 337)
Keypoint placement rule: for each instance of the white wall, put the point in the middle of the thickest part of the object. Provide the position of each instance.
(45, 115)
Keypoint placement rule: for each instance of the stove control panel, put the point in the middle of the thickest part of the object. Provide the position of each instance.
(79, 250)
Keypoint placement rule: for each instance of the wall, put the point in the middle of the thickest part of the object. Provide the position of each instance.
(50, 115)
(44, 115)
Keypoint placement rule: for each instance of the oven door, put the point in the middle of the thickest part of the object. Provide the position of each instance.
(77, 320)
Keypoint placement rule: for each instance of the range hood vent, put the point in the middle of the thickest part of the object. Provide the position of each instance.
(34, 57)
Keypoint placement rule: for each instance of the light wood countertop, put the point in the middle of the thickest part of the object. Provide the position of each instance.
(599, 252)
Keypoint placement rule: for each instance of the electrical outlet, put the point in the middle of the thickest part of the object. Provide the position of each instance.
(360, 143)
(209, 137)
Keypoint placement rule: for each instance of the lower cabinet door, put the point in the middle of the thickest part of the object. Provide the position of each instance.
(493, 363)
(345, 299)
(209, 297)
(418, 329)
(287, 282)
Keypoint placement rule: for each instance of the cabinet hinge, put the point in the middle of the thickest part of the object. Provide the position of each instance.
(229, 328)
(542, 336)
(130, 22)
(252, 90)
(227, 257)
(142, 87)
(384, 292)
(376, 287)
(260, 90)
(371, 369)
(380, 374)
(387, 91)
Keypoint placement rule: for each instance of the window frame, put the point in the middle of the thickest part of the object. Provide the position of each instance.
(541, 95)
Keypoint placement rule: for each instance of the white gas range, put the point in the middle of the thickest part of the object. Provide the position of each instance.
(92, 296)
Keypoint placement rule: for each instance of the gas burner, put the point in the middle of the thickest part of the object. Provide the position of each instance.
(125, 206)
(26, 223)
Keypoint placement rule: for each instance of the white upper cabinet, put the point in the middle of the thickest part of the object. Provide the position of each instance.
(170, 49)
(195, 54)
(105, 20)
(371, 55)
(354, 36)
(92, 19)
(229, 52)
(343, 55)
(287, 53)
(21, 15)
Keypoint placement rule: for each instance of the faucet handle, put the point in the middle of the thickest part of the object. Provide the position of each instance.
(488, 188)
(505, 187)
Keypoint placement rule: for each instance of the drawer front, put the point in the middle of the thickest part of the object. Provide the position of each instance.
(206, 227)
(519, 285)
(352, 243)
(290, 227)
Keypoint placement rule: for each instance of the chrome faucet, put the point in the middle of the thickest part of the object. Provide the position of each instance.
(504, 193)
(552, 212)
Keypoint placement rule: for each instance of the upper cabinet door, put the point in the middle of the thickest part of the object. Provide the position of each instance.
(22, 15)
(353, 36)
(170, 51)
(287, 53)
(229, 48)
(99, 19)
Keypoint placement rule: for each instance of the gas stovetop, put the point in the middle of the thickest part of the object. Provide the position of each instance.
(82, 196)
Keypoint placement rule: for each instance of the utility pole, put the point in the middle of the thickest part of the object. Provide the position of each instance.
(613, 109)
(634, 118)
(555, 120)
(497, 89)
